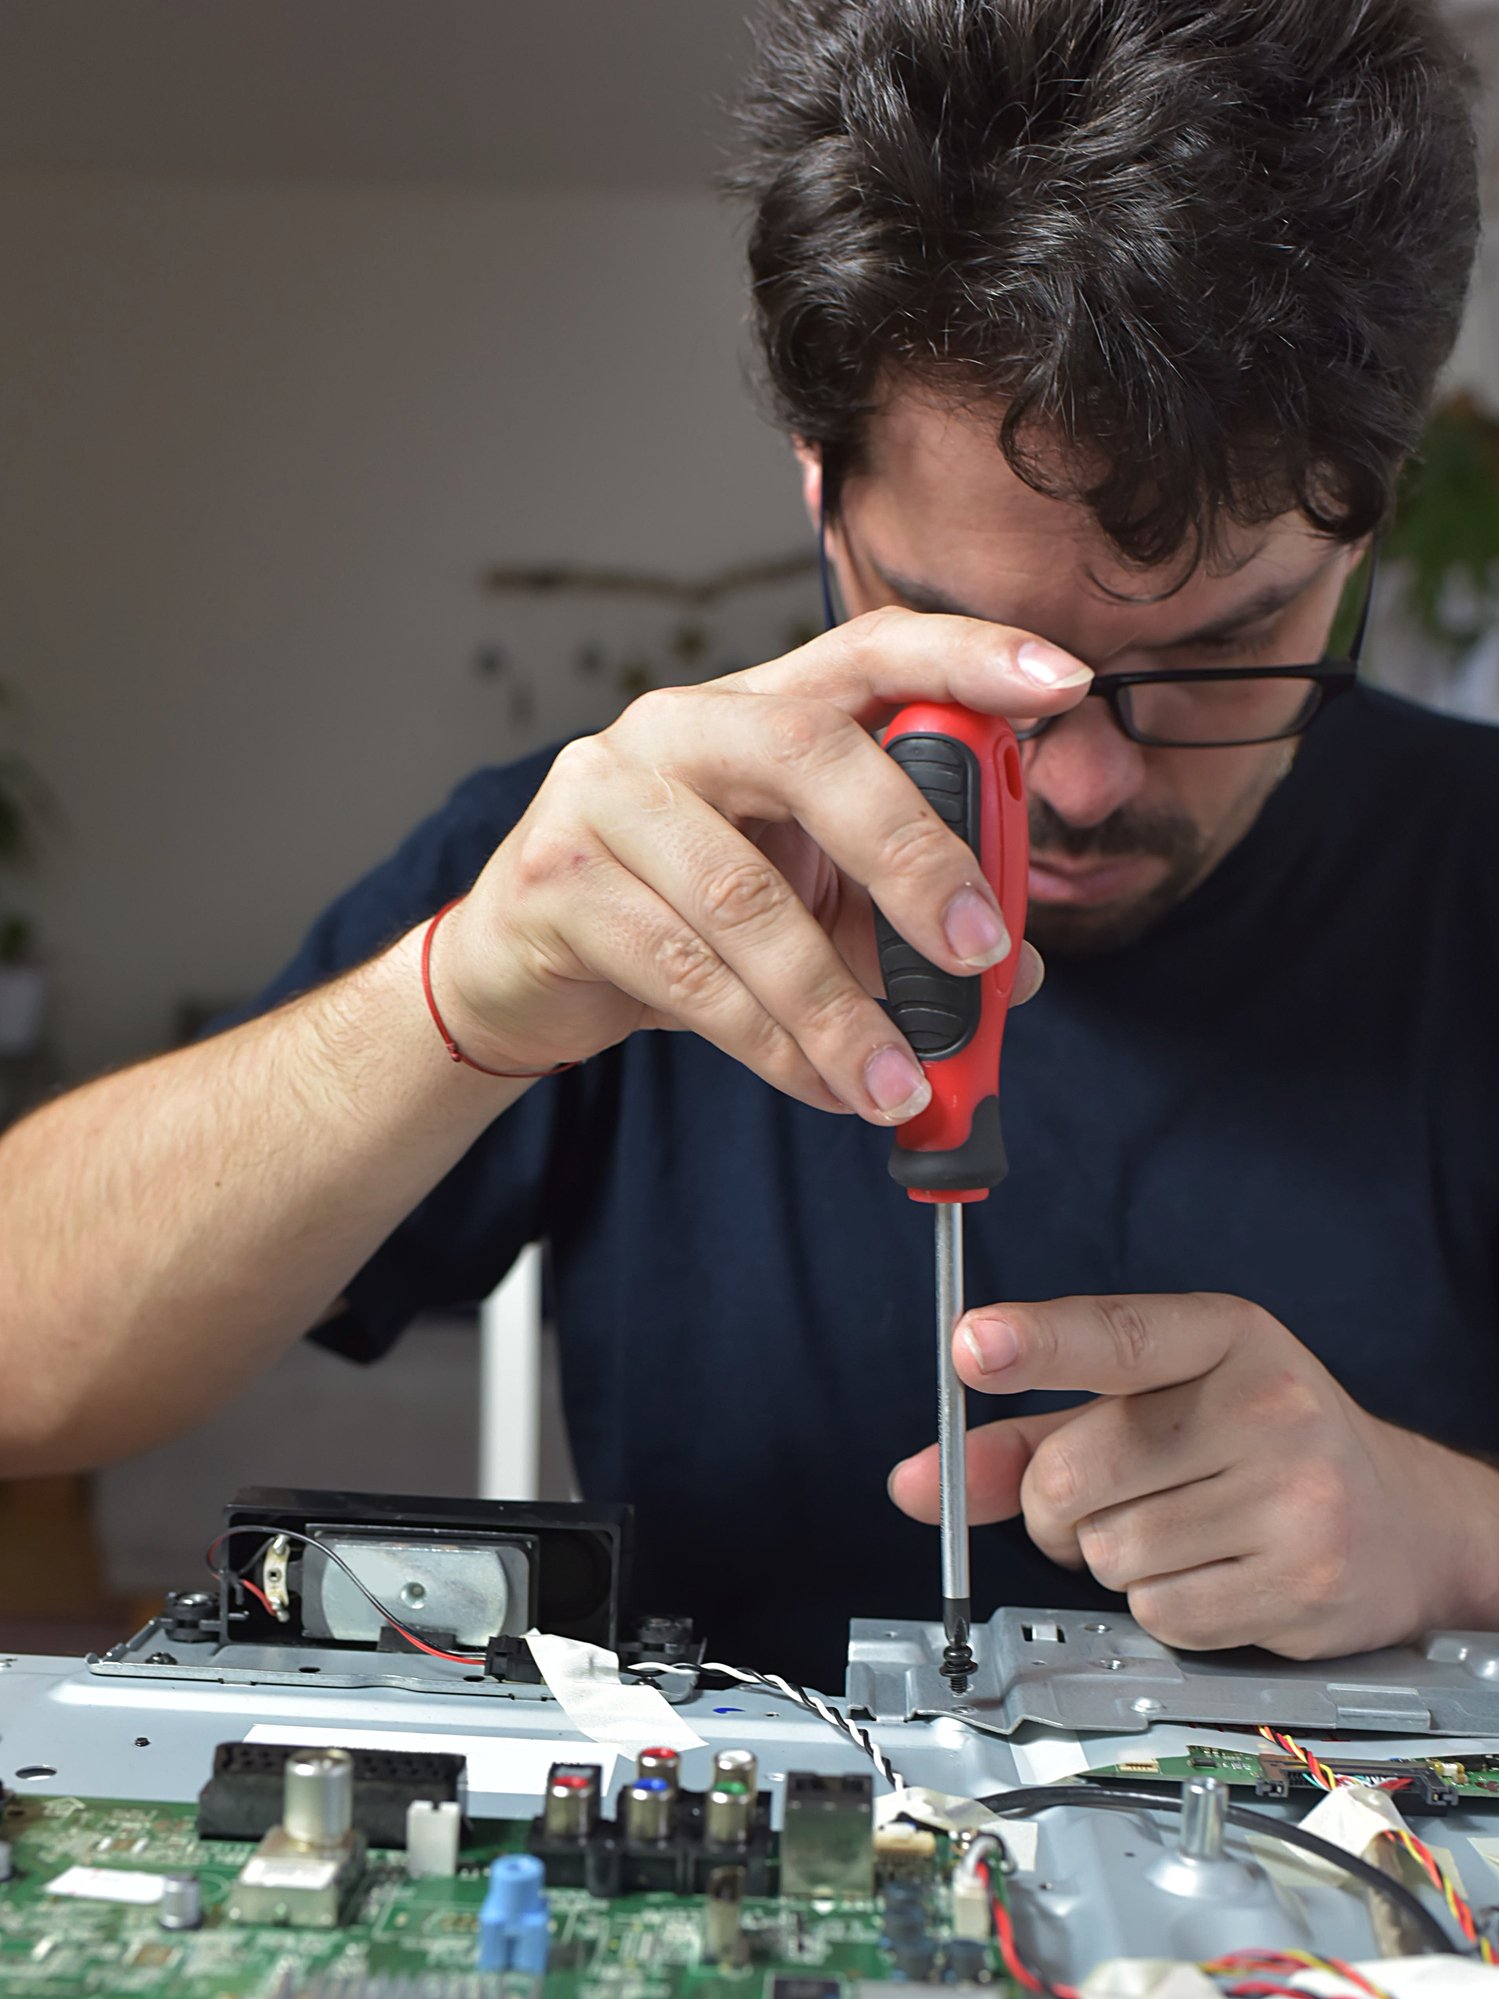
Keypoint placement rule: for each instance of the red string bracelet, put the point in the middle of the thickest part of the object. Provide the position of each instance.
(455, 1053)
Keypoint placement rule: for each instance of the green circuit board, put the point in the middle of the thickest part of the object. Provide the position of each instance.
(634, 1947)
(1475, 1779)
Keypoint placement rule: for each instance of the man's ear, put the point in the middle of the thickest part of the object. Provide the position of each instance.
(809, 458)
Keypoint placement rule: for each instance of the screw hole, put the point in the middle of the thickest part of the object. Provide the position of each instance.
(309, 1669)
(35, 1771)
(143, 1742)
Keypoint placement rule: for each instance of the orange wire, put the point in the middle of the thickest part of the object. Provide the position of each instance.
(1328, 1779)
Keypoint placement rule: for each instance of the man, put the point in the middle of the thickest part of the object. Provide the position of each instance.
(1103, 328)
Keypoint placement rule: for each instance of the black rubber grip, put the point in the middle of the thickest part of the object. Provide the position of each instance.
(981, 1162)
(936, 1011)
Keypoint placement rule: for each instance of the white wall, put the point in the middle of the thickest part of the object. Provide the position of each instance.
(257, 445)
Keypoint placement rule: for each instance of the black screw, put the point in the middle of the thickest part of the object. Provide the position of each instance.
(958, 1664)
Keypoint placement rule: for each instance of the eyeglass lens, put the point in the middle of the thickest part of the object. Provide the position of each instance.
(1189, 711)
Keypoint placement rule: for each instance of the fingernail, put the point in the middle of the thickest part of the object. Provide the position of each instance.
(992, 1343)
(895, 1081)
(895, 1474)
(1049, 666)
(975, 930)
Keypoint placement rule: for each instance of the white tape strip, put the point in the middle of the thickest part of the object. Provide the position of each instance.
(950, 1814)
(1048, 1756)
(1351, 1817)
(585, 1681)
(108, 1884)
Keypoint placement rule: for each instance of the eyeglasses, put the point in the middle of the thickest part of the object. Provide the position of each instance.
(1209, 707)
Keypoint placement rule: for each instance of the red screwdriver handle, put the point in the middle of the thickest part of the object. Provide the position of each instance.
(967, 768)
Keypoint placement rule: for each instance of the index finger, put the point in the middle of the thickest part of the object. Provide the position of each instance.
(876, 663)
(1109, 1345)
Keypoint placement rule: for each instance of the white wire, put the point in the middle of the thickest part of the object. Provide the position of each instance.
(815, 1704)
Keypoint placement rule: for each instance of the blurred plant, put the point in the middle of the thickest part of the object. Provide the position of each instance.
(16, 935)
(26, 806)
(1446, 528)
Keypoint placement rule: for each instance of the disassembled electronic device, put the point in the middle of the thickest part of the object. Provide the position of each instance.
(326, 1778)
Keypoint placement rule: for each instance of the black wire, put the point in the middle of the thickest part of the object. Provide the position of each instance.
(271, 1534)
(1026, 1803)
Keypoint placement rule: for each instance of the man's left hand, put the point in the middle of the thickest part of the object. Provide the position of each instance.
(1221, 1479)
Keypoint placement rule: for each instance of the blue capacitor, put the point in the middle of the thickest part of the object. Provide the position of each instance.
(513, 1923)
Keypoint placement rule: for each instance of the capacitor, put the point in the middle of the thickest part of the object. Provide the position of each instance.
(660, 1763)
(571, 1809)
(181, 1904)
(723, 1916)
(649, 1810)
(7, 1861)
(318, 1800)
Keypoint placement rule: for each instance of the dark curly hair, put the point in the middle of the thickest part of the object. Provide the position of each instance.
(1208, 255)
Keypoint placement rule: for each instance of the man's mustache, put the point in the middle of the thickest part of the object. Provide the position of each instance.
(1168, 835)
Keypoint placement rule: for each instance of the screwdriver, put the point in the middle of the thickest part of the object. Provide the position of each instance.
(967, 768)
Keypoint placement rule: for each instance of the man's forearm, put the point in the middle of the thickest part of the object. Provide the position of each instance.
(167, 1231)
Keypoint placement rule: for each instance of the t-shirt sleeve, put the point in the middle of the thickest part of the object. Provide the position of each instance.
(457, 1245)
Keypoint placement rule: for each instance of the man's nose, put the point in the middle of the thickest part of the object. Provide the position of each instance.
(1084, 766)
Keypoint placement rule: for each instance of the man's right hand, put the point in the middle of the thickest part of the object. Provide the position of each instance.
(708, 863)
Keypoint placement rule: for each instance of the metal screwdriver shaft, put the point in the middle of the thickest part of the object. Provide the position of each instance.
(952, 1450)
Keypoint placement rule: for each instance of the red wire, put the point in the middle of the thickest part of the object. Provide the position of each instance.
(1004, 1930)
(457, 1658)
(1267, 1963)
(1259, 1988)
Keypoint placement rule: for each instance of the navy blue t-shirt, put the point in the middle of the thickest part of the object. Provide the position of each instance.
(1289, 1090)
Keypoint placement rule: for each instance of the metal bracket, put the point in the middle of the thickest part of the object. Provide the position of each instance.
(1091, 1671)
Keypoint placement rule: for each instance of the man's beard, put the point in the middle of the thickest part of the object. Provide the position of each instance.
(1067, 930)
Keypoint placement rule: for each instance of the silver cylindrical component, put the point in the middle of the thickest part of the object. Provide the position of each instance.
(737, 1766)
(318, 1806)
(7, 1861)
(728, 1813)
(660, 1763)
(181, 1904)
(572, 1802)
(649, 1809)
(723, 1914)
(1204, 1817)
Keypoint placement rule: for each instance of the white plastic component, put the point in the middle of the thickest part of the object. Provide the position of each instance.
(953, 1814)
(1147, 1978)
(431, 1839)
(108, 1884)
(1434, 1977)
(970, 1909)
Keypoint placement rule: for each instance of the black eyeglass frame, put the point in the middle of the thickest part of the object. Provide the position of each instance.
(1331, 676)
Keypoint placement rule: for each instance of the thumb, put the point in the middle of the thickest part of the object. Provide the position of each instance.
(998, 1454)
